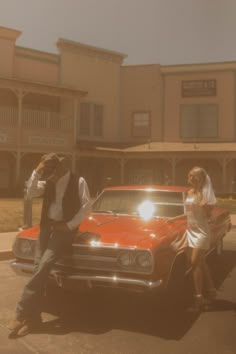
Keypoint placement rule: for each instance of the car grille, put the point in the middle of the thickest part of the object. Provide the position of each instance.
(95, 251)
(99, 258)
(95, 258)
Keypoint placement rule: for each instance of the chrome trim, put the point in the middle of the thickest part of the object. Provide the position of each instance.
(124, 270)
(23, 268)
(94, 258)
(91, 257)
(129, 269)
(118, 280)
(104, 245)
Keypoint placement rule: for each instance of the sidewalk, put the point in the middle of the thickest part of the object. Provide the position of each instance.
(233, 219)
(7, 239)
(6, 242)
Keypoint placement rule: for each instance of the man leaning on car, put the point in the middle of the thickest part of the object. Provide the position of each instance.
(66, 202)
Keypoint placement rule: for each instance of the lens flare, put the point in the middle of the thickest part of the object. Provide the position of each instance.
(146, 210)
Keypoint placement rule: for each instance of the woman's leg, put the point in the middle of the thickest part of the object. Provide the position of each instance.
(197, 256)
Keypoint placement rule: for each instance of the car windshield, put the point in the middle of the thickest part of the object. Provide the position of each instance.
(140, 202)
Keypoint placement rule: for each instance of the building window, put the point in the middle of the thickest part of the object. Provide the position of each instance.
(141, 126)
(98, 120)
(199, 122)
(84, 126)
(91, 119)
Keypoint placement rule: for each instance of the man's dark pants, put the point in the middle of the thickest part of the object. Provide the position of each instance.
(50, 247)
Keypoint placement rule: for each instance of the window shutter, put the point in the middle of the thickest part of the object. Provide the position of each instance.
(98, 120)
(84, 118)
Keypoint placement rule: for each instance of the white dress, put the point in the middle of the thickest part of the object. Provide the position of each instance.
(198, 232)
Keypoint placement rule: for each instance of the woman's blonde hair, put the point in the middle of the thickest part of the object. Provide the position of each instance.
(200, 175)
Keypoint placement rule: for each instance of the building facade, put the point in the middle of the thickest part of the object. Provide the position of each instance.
(118, 124)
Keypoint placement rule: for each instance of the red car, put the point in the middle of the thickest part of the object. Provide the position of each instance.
(126, 242)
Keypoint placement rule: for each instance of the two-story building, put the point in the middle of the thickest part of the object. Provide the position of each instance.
(117, 123)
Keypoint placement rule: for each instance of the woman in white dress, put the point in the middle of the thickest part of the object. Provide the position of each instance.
(198, 204)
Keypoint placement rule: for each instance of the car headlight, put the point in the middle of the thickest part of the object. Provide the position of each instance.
(25, 248)
(143, 259)
(125, 259)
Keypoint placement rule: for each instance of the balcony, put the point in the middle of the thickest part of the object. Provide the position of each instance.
(33, 119)
(38, 129)
(8, 117)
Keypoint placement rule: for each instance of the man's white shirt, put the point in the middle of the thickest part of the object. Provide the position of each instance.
(35, 188)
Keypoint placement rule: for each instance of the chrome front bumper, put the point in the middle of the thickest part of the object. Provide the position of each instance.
(91, 280)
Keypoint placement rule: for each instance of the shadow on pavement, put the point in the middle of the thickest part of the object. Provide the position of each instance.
(102, 311)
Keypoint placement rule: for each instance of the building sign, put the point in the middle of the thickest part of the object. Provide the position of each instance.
(46, 140)
(196, 88)
(3, 138)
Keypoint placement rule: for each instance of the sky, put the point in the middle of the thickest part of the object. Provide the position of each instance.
(167, 32)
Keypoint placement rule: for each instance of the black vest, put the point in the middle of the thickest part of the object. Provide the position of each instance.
(70, 202)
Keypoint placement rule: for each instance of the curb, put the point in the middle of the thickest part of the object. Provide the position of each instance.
(6, 255)
(6, 245)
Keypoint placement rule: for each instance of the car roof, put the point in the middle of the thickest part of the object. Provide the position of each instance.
(149, 188)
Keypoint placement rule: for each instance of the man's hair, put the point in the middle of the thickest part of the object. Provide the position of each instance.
(52, 159)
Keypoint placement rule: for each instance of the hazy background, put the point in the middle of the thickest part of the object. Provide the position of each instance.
(148, 31)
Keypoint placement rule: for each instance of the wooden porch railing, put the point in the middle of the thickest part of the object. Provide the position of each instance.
(35, 119)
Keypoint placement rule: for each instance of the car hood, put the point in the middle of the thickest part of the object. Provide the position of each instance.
(126, 231)
(123, 231)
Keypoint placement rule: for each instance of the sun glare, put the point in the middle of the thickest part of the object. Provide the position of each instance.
(146, 210)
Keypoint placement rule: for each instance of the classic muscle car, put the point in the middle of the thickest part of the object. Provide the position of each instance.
(126, 242)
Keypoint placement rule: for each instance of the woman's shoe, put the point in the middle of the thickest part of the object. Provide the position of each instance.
(200, 304)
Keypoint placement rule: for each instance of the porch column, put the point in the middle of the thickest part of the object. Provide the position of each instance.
(122, 170)
(75, 133)
(20, 95)
(173, 169)
(73, 162)
(75, 125)
(18, 159)
(224, 163)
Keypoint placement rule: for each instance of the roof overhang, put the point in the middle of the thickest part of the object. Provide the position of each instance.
(168, 149)
(40, 88)
(105, 54)
(9, 33)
